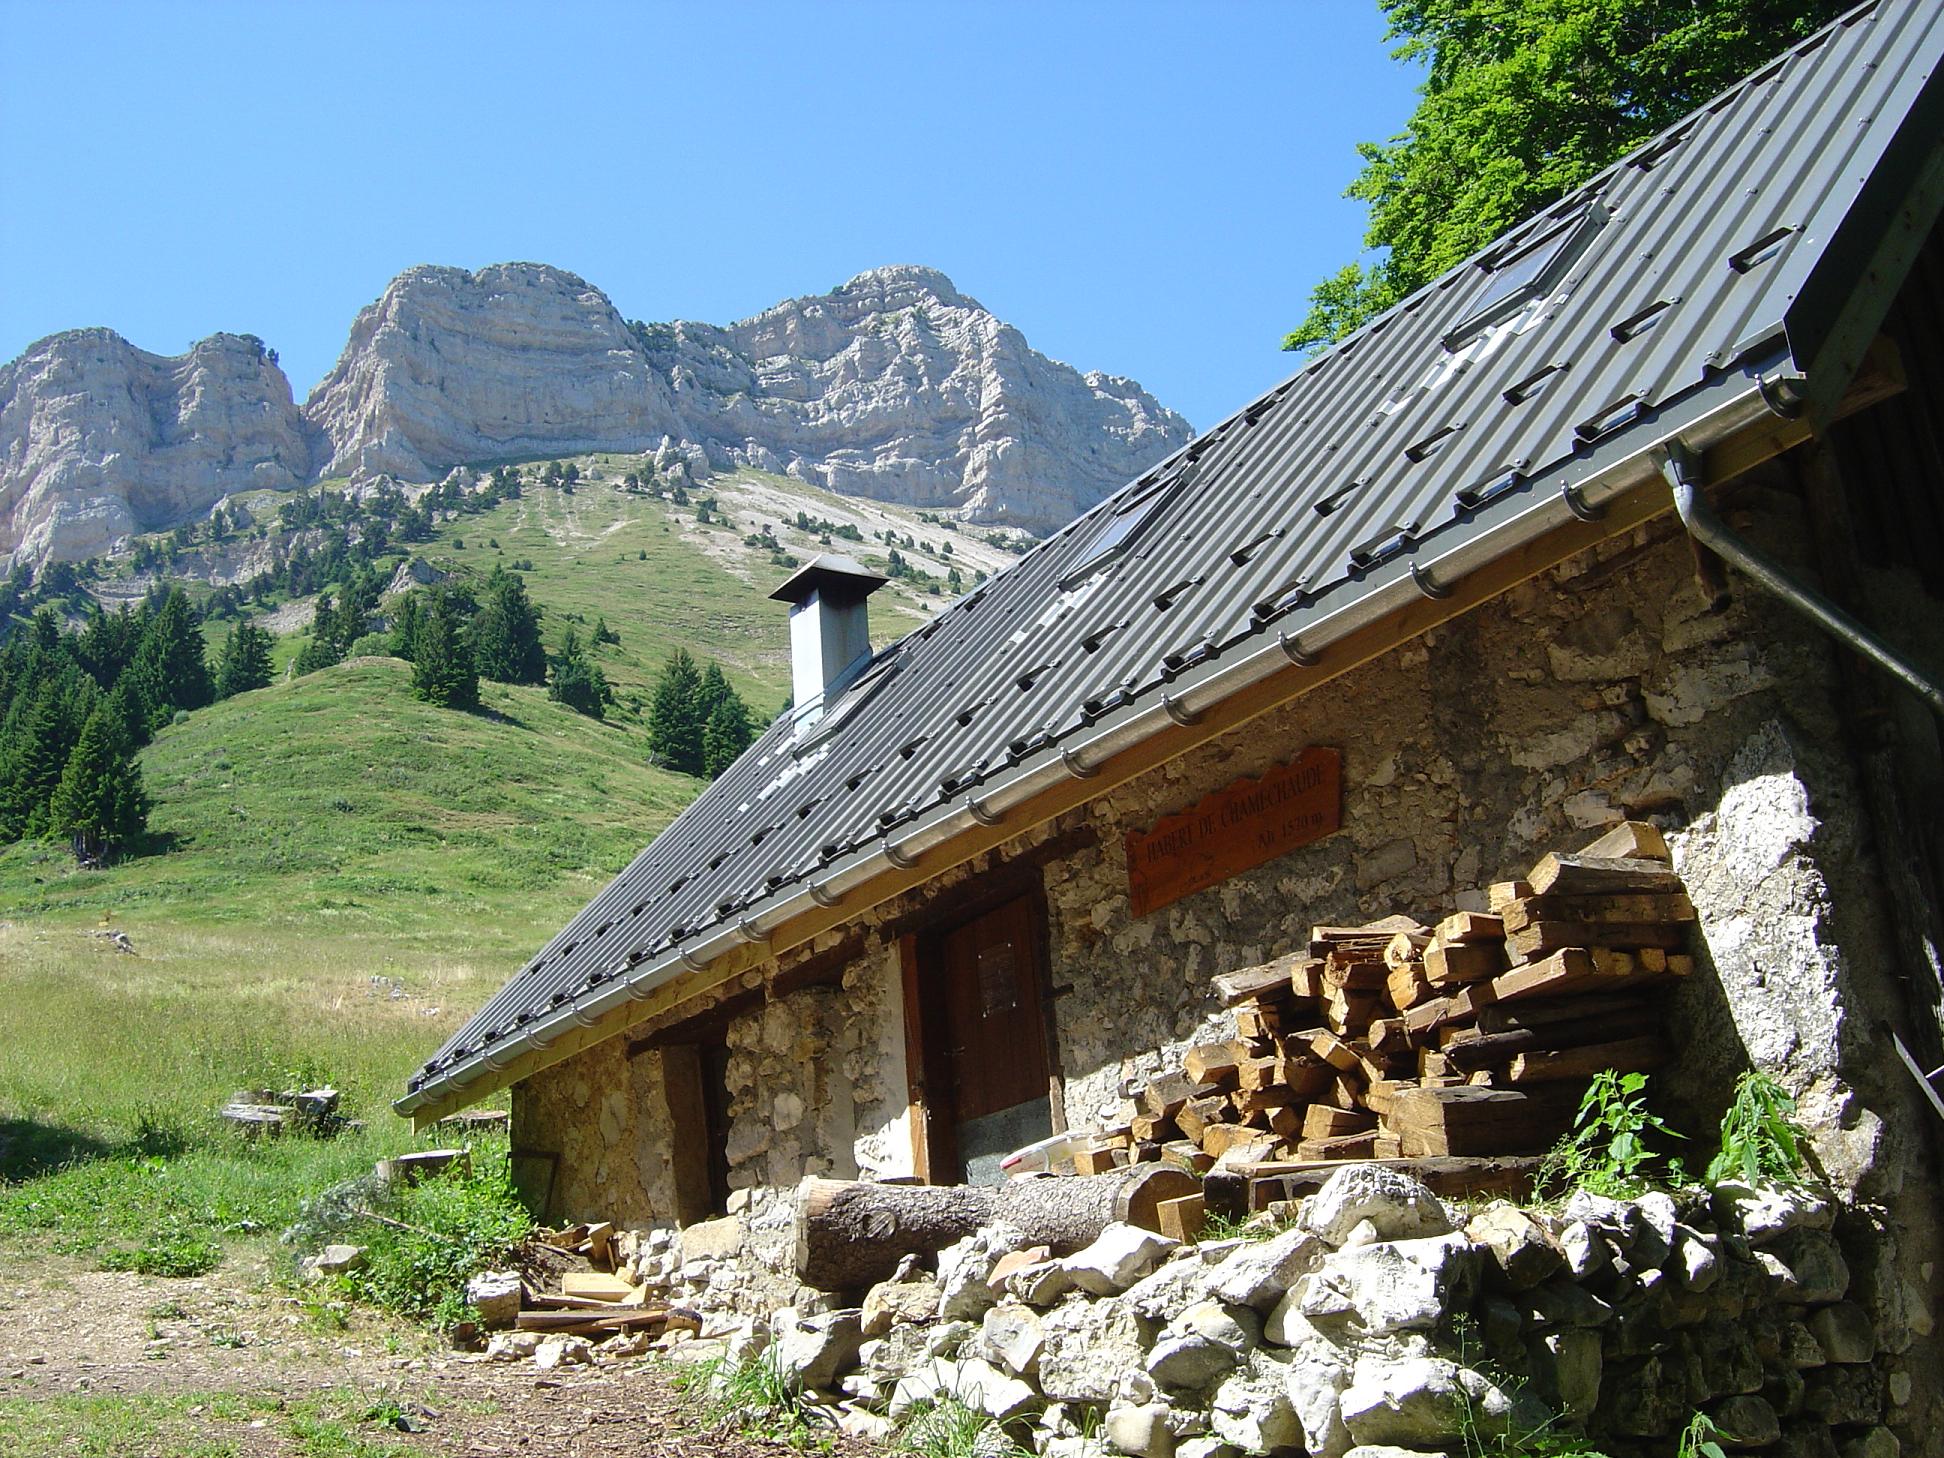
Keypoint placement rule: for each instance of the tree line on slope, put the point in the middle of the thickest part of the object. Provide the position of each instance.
(76, 706)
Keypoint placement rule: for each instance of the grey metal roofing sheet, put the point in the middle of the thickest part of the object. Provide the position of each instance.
(1389, 445)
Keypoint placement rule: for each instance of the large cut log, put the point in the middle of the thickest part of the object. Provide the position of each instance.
(850, 1234)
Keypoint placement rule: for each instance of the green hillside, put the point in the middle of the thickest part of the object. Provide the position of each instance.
(338, 799)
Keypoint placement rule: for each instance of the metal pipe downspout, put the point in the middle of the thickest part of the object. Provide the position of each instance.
(1682, 470)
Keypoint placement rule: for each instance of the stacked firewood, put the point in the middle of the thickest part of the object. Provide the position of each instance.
(1474, 1035)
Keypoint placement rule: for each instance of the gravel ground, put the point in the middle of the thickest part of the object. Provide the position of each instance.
(240, 1367)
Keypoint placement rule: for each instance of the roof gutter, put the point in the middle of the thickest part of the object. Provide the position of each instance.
(1683, 472)
(1192, 695)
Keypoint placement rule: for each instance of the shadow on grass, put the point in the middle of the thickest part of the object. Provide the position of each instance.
(30, 1148)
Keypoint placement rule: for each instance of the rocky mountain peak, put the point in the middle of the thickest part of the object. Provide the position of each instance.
(894, 385)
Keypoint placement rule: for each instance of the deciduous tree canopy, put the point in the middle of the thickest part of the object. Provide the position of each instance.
(1523, 100)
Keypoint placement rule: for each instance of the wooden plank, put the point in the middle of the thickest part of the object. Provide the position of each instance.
(1469, 1120)
(1462, 962)
(1567, 970)
(1617, 909)
(1632, 840)
(1340, 1147)
(1210, 1063)
(1501, 893)
(1323, 1121)
(1542, 938)
(1585, 875)
(1333, 1049)
(1631, 1055)
(1306, 977)
(1197, 1114)
(1539, 1013)
(1269, 982)
(1234, 829)
(1406, 986)
(1218, 1139)
(1470, 1049)
(1469, 926)
(1182, 1218)
(1183, 1155)
(1165, 1094)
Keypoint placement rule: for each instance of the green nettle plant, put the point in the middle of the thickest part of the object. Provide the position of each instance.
(1606, 1151)
(1701, 1438)
(1760, 1143)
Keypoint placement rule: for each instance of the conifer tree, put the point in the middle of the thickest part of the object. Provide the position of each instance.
(578, 682)
(245, 663)
(171, 670)
(99, 804)
(726, 735)
(506, 634)
(442, 670)
(675, 719)
(324, 649)
(407, 618)
(712, 694)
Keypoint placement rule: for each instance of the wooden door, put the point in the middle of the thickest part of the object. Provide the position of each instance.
(994, 1034)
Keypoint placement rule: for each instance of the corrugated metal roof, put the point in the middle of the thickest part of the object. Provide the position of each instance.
(1413, 441)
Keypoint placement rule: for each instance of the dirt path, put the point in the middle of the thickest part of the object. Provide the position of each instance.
(236, 1366)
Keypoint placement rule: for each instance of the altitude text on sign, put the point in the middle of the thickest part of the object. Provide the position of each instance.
(1240, 826)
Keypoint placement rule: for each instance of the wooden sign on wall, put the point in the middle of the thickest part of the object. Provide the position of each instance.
(1249, 822)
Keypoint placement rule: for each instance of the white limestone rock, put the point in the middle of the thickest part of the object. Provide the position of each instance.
(1401, 1285)
(1142, 1431)
(494, 1297)
(1012, 1336)
(1119, 1256)
(1088, 1345)
(1251, 1409)
(894, 386)
(1202, 1345)
(1261, 1272)
(563, 1351)
(1398, 1206)
(99, 439)
(1416, 1401)
(810, 1351)
(893, 1303)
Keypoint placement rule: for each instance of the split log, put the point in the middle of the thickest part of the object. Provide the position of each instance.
(1621, 910)
(1465, 1120)
(1582, 875)
(1634, 1055)
(1253, 984)
(852, 1233)
(1405, 948)
(1542, 938)
(1469, 926)
(1210, 1063)
(1470, 1050)
(1633, 840)
(1446, 966)
(1164, 1096)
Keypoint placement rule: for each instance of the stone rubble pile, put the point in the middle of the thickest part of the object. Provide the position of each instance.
(1370, 1319)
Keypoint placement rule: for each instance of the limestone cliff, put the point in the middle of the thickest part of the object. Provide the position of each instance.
(894, 386)
(99, 439)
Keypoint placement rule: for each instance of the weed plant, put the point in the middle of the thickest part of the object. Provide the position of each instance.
(435, 1235)
(950, 1429)
(751, 1397)
(1760, 1142)
(1606, 1151)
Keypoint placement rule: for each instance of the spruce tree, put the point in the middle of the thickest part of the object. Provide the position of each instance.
(506, 634)
(324, 649)
(99, 804)
(577, 682)
(727, 735)
(245, 663)
(407, 618)
(172, 672)
(675, 719)
(40, 735)
(442, 671)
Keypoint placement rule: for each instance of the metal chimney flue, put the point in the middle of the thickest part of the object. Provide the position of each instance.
(830, 627)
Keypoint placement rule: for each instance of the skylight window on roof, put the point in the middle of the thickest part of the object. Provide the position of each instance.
(1114, 537)
(1530, 270)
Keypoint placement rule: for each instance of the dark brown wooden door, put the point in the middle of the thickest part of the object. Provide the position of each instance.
(995, 1028)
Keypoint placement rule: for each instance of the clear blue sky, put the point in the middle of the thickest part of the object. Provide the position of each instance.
(1143, 188)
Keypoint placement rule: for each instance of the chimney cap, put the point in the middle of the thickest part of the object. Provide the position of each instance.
(837, 577)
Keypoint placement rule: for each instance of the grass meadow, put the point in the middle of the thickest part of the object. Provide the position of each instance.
(337, 875)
